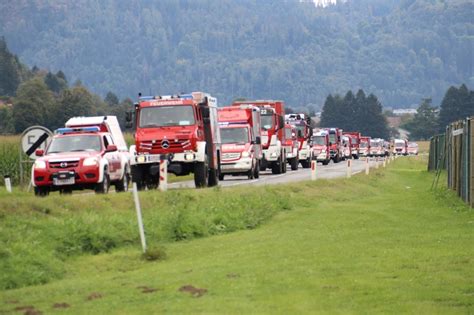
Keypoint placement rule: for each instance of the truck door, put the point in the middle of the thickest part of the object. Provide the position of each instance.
(113, 158)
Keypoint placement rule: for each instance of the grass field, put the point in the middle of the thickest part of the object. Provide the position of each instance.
(378, 244)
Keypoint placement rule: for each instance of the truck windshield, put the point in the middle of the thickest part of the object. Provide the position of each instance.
(235, 135)
(267, 122)
(332, 138)
(160, 116)
(75, 144)
(363, 144)
(399, 144)
(319, 140)
(300, 129)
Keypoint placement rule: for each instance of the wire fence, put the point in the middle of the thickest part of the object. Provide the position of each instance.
(454, 152)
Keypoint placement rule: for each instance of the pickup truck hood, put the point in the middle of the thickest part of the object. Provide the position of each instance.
(69, 156)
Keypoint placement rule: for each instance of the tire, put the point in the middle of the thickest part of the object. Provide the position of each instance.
(138, 177)
(251, 172)
(103, 187)
(326, 162)
(200, 174)
(257, 170)
(213, 179)
(355, 156)
(283, 167)
(41, 191)
(294, 163)
(123, 184)
(221, 176)
(277, 167)
(306, 163)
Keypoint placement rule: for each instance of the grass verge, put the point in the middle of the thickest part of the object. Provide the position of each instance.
(381, 243)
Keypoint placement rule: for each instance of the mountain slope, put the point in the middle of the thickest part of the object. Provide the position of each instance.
(260, 49)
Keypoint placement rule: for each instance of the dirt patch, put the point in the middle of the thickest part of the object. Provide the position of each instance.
(94, 296)
(195, 292)
(28, 310)
(146, 289)
(233, 275)
(61, 305)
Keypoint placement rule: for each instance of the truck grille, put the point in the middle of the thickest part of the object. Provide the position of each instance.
(166, 144)
(63, 164)
(230, 156)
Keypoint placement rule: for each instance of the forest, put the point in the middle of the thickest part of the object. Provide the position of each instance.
(402, 51)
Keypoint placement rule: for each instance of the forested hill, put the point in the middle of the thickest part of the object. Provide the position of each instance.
(400, 50)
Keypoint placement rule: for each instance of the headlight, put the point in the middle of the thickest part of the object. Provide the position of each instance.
(323, 151)
(273, 154)
(91, 161)
(189, 156)
(141, 159)
(245, 154)
(40, 165)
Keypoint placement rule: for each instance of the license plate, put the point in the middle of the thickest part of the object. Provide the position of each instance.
(154, 158)
(61, 182)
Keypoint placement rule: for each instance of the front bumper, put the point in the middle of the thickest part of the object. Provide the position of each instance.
(83, 176)
(237, 166)
(304, 154)
(272, 154)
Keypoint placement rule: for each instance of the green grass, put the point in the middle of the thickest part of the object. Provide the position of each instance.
(377, 244)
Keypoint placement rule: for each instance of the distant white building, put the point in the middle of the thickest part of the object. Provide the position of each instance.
(409, 111)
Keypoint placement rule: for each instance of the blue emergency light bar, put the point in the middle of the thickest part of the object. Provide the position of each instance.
(81, 129)
(182, 96)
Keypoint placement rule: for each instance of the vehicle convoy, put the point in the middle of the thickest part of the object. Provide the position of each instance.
(184, 130)
(346, 147)
(89, 153)
(400, 147)
(241, 141)
(364, 146)
(303, 132)
(291, 146)
(321, 147)
(376, 147)
(355, 143)
(386, 147)
(413, 148)
(335, 144)
(272, 123)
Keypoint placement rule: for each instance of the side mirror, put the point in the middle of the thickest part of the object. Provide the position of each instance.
(111, 148)
(258, 140)
(39, 152)
(128, 116)
(281, 122)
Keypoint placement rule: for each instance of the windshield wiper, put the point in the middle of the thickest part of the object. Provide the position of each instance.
(150, 125)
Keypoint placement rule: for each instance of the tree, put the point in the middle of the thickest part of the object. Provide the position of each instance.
(10, 76)
(55, 83)
(76, 101)
(6, 120)
(457, 104)
(111, 99)
(34, 105)
(425, 122)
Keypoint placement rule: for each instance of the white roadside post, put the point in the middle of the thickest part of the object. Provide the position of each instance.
(8, 183)
(376, 162)
(139, 216)
(367, 167)
(383, 163)
(163, 173)
(349, 168)
(388, 160)
(313, 170)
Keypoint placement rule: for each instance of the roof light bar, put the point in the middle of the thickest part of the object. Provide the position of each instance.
(82, 129)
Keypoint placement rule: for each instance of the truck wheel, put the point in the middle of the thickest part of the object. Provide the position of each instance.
(277, 166)
(283, 166)
(200, 174)
(103, 187)
(306, 163)
(355, 156)
(123, 184)
(41, 191)
(257, 170)
(213, 178)
(221, 176)
(326, 162)
(250, 173)
(294, 164)
(263, 166)
(138, 177)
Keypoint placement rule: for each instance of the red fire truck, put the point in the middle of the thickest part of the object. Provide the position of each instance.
(304, 133)
(321, 147)
(90, 153)
(291, 146)
(272, 123)
(184, 130)
(364, 146)
(241, 141)
(335, 144)
(355, 143)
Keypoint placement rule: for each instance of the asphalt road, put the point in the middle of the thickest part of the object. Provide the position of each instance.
(332, 170)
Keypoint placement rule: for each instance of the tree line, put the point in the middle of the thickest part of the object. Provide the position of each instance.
(400, 50)
(38, 97)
